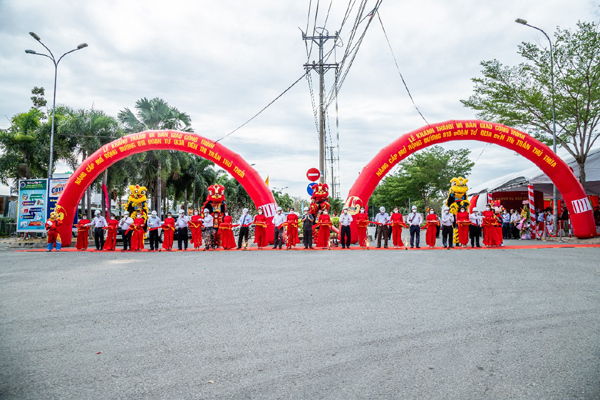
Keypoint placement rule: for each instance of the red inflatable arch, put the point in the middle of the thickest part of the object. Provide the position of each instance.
(126, 146)
(558, 171)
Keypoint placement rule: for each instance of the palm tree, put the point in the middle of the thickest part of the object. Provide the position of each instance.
(155, 114)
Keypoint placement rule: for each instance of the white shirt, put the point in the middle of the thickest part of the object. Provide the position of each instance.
(182, 221)
(447, 219)
(154, 222)
(515, 217)
(415, 219)
(345, 219)
(245, 219)
(99, 222)
(279, 219)
(208, 221)
(476, 219)
(125, 223)
(382, 218)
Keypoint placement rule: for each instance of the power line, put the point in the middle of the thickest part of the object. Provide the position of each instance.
(264, 108)
(398, 68)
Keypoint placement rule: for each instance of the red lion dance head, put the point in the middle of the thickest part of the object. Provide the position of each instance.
(320, 197)
(215, 201)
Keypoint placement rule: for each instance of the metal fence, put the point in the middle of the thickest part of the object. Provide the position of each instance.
(8, 227)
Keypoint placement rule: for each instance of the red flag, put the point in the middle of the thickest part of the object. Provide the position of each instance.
(106, 197)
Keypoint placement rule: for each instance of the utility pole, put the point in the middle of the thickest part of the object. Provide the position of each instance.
(321, 68)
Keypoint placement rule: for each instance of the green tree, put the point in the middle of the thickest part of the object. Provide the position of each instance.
(422, 179)
(520, 96)
(155, 114)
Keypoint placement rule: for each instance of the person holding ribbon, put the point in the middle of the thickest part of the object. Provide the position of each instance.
(291, 229)
(324, 224)
(432, 228)
(308, 221)
(362, 222)
(260, 229)
(463, 222)
(397, 222)
(415, 220)
(244, 222)
(226, 232)
(137, 238)
(278, 221)
(382, 220)
(475, 227)
(83, 231)
(208, 230)
(111, 233)
(195, 225)
(125, 224)
(154, 223)
(168, 228)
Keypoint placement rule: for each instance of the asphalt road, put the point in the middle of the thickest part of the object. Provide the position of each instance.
(498, 324)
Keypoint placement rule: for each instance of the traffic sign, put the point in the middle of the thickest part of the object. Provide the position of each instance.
(313, 174)
(309, 189)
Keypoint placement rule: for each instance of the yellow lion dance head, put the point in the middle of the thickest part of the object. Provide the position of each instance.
(458, 186)
(137, 193)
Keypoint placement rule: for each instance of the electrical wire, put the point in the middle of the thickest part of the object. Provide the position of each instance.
(263, 109)
(398, 68)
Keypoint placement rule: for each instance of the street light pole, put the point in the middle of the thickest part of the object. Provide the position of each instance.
(554, 196)
(51, 57)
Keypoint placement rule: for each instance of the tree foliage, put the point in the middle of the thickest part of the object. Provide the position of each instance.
(521, 96)
(422, 179)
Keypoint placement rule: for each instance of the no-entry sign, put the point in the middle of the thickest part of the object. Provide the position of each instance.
(313, 174)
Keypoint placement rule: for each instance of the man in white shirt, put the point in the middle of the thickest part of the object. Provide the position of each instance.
(447, 222)
(99, 223)
(345, 220)
(514, 221)
(244, 222)
(208, 234)
(124, 224)
(278, 219)
(382, 218)
(182, 230)
(154, 223)
(415, 220)
(475, 227)
(505, 225)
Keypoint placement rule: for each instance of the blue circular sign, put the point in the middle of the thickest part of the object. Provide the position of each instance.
(309, 189)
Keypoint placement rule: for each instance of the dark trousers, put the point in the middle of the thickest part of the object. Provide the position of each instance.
(415, 231)
(307, 238)
(447, 235)
(153, 235)
(182, 236)
(278, 240)
(99, 238)
(506, 230)
(515, 231)
(475, 233)
(382, 231)
(127, 240)
(345, 230)
(244, 232)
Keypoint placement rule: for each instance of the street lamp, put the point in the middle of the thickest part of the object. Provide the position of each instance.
(555, 206)
(51, 56)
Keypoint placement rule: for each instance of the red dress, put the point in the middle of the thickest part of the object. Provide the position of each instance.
(168, 228)
(463, 222)
(324, 230)
(196, 228)
(137, 238)
(432, 224)
(226, 233)
(292, 230)
(397, 222)
(489, 227)
(82, 234)
(111, 236)
(260, 230)
(52, 228)
(362, 222)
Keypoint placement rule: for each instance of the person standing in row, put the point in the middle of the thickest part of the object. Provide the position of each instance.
(83, 232)
(515, 218)
(397, 222)
(475, 227)
(208, 231)
(154, 223)
(182, 231)
(292, 229)
(463, 222)
(323, 237)
(99, 222)
(278, 221)
(432, 228)
(260, 229)
(125, 224)
(362, 222)
(111, 233)
(382, 219)
(447, 222)
(196, 227)
(308, 220)
(415, 220)
(505, 224)
(137, 238)
(489, 225)
(168, 228)
(345, 221)
(226, 232)
(245, 221)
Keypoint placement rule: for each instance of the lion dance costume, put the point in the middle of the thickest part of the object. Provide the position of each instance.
(457, 197)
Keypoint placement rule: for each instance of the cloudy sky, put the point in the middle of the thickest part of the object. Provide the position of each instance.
(223, 61)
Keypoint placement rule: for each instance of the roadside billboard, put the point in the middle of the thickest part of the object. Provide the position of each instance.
(32, 205)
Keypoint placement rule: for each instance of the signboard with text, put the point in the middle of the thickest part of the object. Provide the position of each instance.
(55, 189)
(32, 205)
